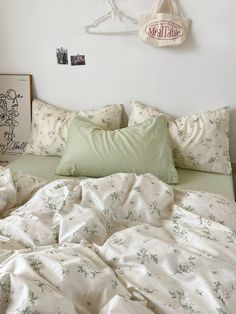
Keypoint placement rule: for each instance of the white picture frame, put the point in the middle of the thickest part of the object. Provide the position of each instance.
(15, 115)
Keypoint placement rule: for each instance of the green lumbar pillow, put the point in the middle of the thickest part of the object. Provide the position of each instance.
(143, 148)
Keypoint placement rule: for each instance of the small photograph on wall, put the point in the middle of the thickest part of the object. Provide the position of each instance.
(62, 56)
(15, 115)
(77, 59)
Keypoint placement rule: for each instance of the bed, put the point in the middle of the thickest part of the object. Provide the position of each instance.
(45, 167)
(128, 242)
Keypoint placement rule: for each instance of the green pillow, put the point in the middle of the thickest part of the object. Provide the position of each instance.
(93, 152)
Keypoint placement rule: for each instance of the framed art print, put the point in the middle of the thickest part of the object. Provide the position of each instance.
(15, 115)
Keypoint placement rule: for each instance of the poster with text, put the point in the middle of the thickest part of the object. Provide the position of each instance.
(15, 115)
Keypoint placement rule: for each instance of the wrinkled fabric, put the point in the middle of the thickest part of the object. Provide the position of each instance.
(119, 244)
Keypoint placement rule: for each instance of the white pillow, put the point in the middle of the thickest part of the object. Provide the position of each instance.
(50, 125)
(200, 141)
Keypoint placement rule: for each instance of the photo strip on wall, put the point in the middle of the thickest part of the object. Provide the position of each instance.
(62, 57)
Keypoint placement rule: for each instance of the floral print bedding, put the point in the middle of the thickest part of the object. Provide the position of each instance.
(50, 125)
(119, 244)
(200, 141)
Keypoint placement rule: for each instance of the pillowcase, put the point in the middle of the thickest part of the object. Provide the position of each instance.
(141, 112)
(50, 125)
(200, 141)
(93, 152)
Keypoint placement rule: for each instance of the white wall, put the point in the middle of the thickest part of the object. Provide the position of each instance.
(198, 76)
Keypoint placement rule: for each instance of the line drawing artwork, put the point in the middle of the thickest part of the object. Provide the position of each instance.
(9, 114)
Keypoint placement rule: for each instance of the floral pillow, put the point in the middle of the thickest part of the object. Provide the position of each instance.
(199, 141)
(141, 112)
(50, 125)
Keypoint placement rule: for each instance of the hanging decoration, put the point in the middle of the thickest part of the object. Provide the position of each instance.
(119, 18)
(164, 27)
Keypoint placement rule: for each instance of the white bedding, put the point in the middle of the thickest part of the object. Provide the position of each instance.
(120, 244)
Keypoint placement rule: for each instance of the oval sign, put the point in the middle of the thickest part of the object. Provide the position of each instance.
(164, 30)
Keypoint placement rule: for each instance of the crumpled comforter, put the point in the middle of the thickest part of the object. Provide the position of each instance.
(119, 244)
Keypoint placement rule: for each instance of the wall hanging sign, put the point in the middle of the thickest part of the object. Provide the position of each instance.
(15, 115)
(164, 27)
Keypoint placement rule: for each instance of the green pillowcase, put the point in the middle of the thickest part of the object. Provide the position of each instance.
(93, 152)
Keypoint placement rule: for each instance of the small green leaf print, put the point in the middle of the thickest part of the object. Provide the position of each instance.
(205, 225)
(35, 263)
(188, 267)
(223, 292)
(90, 185)
(182, 135)
(154, 258)
(26, 307)
(114, 284)
(193, 159)
(146, 291)
(206, 142)
(90, 229)
(39, 284)
(5, 290)
(154, 208)
(183, 301)
(199, 292)
(49, 204)
(145, 257)
(179, 231)
(231, 236)
(137, 188)
(117, 196)
(118, 242)
(87, 272)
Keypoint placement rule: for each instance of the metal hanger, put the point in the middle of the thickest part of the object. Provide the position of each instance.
(113, 14)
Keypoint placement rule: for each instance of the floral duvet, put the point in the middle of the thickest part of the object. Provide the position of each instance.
(119, 244)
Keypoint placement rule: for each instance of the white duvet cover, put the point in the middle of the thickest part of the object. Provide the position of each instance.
(120, 244)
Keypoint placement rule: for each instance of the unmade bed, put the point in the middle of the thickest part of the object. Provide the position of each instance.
(124, 243)
(126, 227)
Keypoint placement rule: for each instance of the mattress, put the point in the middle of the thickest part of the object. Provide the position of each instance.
(45, 166)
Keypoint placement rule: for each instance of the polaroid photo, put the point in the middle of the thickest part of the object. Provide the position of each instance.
(62, 56)
(77, 59)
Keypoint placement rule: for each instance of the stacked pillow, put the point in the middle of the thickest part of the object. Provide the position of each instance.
(200, 141)
(96, 146)
(50, 125)
(92, 144)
